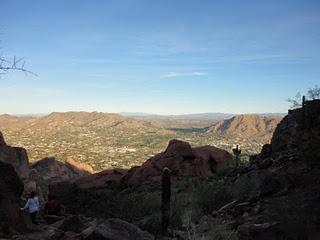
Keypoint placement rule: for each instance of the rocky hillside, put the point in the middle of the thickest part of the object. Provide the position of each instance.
(255, 127)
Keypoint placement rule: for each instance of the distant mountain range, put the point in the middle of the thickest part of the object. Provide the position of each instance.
(214, 116)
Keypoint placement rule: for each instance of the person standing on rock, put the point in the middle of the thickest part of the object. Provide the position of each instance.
(33, 207)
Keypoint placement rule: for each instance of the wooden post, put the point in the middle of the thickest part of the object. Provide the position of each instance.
(303, 101)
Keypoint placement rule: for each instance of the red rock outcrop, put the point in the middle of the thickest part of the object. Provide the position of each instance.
(181, 159)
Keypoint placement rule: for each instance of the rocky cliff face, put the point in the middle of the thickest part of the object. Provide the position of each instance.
(300, 131)
(18, 158)
(286, 204)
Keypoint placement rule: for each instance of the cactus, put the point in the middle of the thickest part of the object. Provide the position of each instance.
(166, 194)
(236, 152)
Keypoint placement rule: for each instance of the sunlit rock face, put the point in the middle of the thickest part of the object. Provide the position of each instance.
(53, 170)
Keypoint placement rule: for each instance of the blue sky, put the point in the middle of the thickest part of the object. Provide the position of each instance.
(167, 57)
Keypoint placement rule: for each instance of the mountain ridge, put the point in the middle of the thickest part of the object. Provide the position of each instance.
(247, 126)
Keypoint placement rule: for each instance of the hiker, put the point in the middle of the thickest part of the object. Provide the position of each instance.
(33, 207)
(53, 206)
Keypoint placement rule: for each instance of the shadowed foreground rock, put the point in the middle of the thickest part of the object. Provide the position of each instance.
(18, 158)
(11, 188)
(78, 227)
(116, 229)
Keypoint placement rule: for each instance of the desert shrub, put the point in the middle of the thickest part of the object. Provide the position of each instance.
(212, 196)
(134, 206)
(182, 205)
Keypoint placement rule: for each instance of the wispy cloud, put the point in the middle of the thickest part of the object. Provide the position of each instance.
(182, 74)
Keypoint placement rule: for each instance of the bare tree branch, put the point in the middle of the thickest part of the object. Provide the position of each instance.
(296, 101)
(16, 64)
(313, 93)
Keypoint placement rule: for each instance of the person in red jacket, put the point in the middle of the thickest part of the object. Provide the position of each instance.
(53, 206)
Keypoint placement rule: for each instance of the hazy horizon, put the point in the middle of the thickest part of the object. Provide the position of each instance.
(168, 57)
(128, 114)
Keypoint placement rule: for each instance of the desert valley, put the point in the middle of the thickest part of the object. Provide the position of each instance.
(105, 140)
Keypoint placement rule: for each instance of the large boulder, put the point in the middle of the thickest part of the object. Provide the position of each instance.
(11, 189)
(17, 157)
(53, 170)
